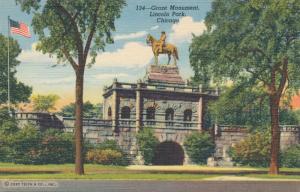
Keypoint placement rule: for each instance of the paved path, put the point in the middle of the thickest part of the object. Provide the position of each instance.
(154, 186)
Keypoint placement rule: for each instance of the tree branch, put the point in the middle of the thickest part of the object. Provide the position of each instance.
(255, 75)
(284, 76)
(92, 32)
(77, 35)
(70, 59)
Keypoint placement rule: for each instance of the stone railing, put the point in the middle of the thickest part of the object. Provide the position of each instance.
(39, 119)
(240, 128)
(69, 122)
(175, 125)
(167, 87)
(289, 128)
(231, 128)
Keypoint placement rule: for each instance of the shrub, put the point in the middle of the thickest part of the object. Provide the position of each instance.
(253, 150)
(26, 145)
(57, 147)
(105, 157)
(199, 147)
(107, 153)
(30, 146)
(291, 157)
(8, 127)
(147, 143)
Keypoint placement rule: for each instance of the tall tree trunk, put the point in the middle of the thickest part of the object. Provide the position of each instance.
(275, 143)
(79, 169)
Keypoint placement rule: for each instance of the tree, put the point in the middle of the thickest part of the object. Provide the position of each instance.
(89, 110)
(73, 30)
(241, 106)
(147, 143)
(44, 103)
(253, 150)
(199, 147)
(253, 43)
(19, 91)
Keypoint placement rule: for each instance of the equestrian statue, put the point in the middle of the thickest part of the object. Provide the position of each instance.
(161, 47)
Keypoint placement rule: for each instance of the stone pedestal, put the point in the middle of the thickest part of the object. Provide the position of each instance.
(168, 74)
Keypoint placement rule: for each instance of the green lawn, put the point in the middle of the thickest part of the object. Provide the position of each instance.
(66, 171)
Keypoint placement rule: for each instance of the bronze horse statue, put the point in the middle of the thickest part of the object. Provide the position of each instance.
(167, 49)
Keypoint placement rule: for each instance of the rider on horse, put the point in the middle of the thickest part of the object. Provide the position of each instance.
(162, 41)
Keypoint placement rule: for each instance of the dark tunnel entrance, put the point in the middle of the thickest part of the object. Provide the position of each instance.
(168, 153)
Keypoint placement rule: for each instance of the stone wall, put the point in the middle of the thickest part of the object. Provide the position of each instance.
(290, 135)
(96, 131)
(227, 136)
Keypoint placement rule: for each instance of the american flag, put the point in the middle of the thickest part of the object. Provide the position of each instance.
(19, 28)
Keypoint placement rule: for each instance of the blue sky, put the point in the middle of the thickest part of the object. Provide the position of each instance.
(131, 29)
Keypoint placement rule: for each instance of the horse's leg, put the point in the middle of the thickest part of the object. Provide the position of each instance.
(169, 58)
(174, 57)
(156, 59)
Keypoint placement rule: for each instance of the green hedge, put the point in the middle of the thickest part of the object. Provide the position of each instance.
(253, 151)
(30, 146)
(291, 157)
(106, 153)
(199, 147)
(147, 143)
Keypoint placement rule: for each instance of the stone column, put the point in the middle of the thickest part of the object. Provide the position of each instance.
(114, 109)
(138, 107)
(200, 113)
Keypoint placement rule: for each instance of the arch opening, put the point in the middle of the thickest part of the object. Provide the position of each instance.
(168, 153)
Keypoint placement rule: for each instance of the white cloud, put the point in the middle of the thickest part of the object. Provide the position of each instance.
(133, 54)
(182, 31)
(110, 76)
(58, 81)
(130, 35)
(34, 56)
(154, 27)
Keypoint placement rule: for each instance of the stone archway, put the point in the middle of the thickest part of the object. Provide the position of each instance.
(168, 153)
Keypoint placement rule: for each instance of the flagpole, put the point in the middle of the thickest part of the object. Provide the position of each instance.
(8, 68)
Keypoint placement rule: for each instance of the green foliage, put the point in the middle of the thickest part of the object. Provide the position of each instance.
(291, 157)
(104, 157)
(19, 91)
(26, 145)
(250, 44)
(147, 143)
(253, 151)
(289, 117)
(247, 107)
(199, 147)
(253, 44)
(8, 126)
(241, 106)
(107, 153)
(89, 110)
(57, 147)
(248, 40)
(76, 28)
(44, 103)
(30, 146)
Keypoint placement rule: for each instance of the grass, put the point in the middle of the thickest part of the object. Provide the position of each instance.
(190, 172)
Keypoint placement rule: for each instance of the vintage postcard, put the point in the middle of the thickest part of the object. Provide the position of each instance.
(140, 95)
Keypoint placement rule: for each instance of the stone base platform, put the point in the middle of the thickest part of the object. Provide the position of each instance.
(168, 74)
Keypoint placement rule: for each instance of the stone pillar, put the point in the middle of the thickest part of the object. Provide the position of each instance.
(138, 107)
(114, 109)
(200, 113)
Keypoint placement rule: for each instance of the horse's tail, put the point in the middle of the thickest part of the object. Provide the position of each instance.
(176, 53)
